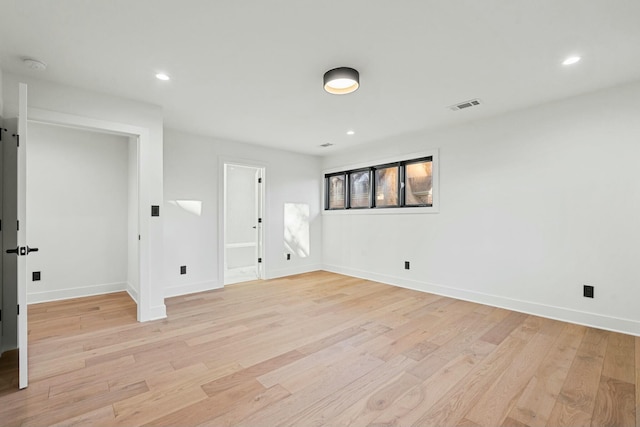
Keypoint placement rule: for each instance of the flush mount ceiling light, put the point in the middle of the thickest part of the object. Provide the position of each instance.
(163, 77)
(341, 81)
(571, 60)
(34, 64)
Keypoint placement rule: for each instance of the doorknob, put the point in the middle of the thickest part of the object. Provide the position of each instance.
(31, 250)
(13, 251)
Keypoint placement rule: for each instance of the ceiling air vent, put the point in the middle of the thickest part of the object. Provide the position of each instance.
(328, 144)
(465, 104)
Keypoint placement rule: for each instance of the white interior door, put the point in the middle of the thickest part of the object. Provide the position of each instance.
(3, 137)
(10, 248)
(24, 249)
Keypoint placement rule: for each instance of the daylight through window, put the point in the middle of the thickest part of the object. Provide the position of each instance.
(407, 183)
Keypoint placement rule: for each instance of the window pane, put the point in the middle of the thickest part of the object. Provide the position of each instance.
(418, 190)
(387, 186)
(359, 189)
(336, 192)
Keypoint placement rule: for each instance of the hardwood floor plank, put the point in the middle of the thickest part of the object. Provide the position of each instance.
(419, 400)
(208, 408)
(539, 397)
(317, 349)
(498, 400)
(577, 397)
(99, 417)
(499, 332)
(637, 381)
(615, 404)
(617, 364)
(247, 405)
(350, 404)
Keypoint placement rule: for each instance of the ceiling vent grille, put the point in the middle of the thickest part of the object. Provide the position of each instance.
(325, 145)
(465, 104)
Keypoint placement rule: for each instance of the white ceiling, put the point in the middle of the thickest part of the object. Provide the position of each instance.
(251, 70)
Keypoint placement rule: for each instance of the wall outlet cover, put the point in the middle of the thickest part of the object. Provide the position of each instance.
(588, 291)
(35, 276)
(183, 269)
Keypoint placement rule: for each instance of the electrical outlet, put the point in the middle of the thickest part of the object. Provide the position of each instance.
(35, 276)
(406, 265)
(587, 291)
(183, 269)
(288, 257)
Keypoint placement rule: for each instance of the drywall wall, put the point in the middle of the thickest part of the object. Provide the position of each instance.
(49, 100)
(193, 171)
(533, 205)
(77, 212)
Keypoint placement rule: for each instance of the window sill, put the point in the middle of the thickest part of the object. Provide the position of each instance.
(383, 211)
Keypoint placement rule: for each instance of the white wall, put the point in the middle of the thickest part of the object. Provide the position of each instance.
(533, 205)
(193, 171)
(101, 108)
(77, 212)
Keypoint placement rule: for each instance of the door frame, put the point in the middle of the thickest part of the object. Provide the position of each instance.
(262, 206)
(144, 309)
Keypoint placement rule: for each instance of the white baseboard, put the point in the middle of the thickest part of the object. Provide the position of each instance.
(154, 313)
(84, 291)
(616, 324)
(190, 288)
(133, 293)
(283, 272)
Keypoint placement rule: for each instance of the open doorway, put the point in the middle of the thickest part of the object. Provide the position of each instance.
(82, 209)
(243, 222)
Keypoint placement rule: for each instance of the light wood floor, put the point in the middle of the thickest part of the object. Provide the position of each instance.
(318, 349)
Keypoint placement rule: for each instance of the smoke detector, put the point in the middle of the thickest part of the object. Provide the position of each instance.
(465, 104)
(34, 64)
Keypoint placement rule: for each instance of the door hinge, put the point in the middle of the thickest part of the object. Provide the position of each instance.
(138, 237)
(18, 309)
(17, 139)
(2, 130)
(259, 260)
(0, 225)
(0, 315)
(259, 180)
(18, 222)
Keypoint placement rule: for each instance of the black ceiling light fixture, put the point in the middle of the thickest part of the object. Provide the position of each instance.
(341, 81)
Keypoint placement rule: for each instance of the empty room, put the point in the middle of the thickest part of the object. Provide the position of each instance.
(338, 213)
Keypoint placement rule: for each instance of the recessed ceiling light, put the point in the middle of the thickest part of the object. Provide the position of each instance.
(350, 132)
(163, 77)
(571, 60)
(341, 81)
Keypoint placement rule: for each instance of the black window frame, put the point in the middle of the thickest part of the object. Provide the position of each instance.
(404, 179)
(327, 192)
(398, 185)
(402, 175)
(368, 170)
